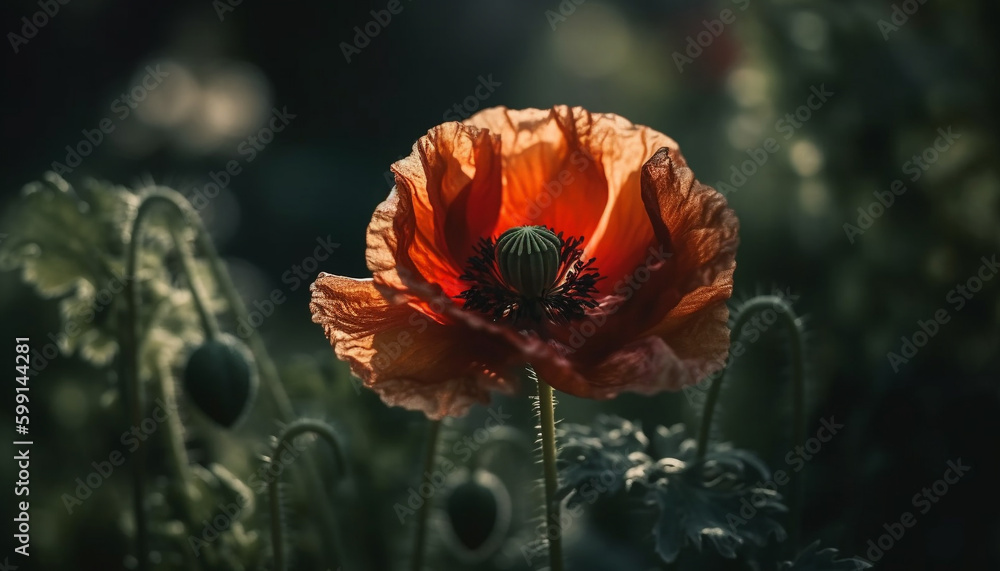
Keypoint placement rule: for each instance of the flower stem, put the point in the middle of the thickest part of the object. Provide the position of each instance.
(547, 432)
(131, 386)
(183, 213)
(180, 212)
(796, 353)
(286, 437)
(430, 456)
(272, 381)
(208, 321)
(177, 453)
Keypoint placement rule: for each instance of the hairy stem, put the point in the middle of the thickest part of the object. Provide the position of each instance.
(270, 379)
(796, 350)
(420, 537)
(180, 213)
(183, 213)
(177, 453)
(208, 320)
(547, 433)
(133, 389)
(284, 439)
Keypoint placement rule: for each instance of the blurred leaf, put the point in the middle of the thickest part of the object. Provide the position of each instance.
(814, 559)
(720, 498)
(57, 238)
(593, 460)
(74, 246)
(67, 243)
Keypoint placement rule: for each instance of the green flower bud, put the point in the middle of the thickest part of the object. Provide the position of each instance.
(478, 508)
(220, 378)
(528, 258)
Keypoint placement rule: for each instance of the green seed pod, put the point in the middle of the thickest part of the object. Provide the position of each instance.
(528, 259)
(479, 512)
(220, 378)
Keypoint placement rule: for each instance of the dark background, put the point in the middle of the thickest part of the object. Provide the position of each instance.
(323, 175)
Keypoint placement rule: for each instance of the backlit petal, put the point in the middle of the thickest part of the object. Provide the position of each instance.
(447, 195)
(408, 359)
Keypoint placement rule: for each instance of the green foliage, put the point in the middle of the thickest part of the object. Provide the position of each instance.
(720, 498)
(72, 245)
(598, 455)
(215, 526)
(813, 558)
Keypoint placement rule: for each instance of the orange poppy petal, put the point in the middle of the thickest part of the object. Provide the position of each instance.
(700, 338)
(693, 218)
(624, 233)
(447, 191)
(650, 364)
(582, 174)
(578, 172)
(699, 232)
(409, 360)
(703, 232)
(551, 176)
(692, 222)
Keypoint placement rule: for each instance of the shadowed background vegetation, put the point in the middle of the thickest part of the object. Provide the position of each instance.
(891, 87)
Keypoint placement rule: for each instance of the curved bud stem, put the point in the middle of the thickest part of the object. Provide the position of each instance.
(184, 214)
(208, 320)
(286, 437)
(180, 214)
(268, 373)
(547, 433)
(130, 354)
(177, 454)
(796, 350)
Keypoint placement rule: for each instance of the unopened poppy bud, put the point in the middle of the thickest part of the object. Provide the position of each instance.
(220, 379)
(478, 508)
(528, 259)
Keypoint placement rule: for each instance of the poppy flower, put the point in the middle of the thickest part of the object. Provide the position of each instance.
(575, 242)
